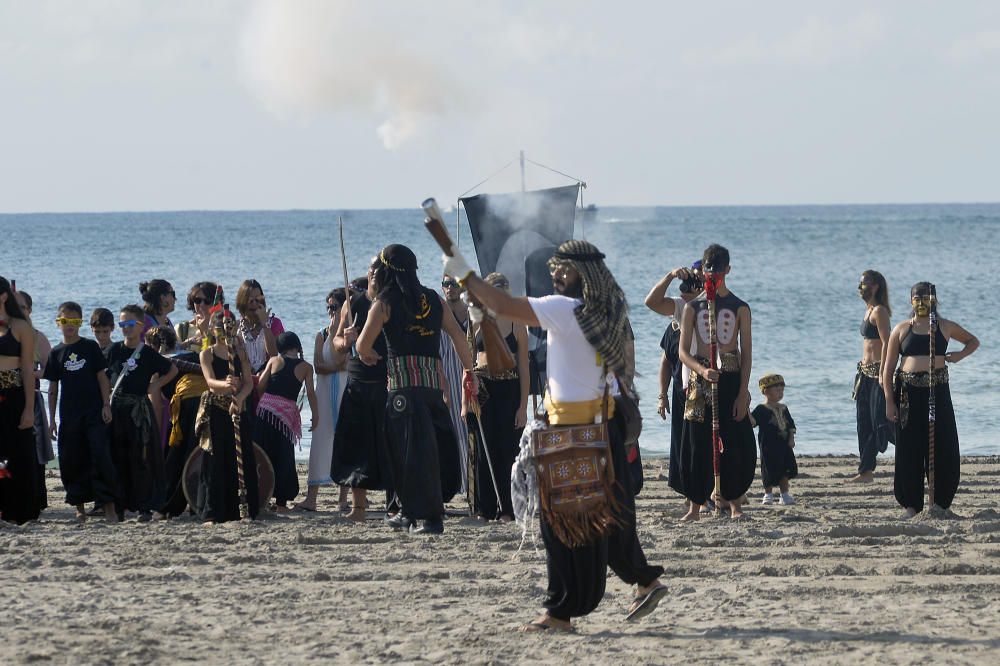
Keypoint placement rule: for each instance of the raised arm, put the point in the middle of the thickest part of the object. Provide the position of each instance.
(516, 308)
(657, 299)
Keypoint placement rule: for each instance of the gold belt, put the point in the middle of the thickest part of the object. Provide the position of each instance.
(483, 373)
(923, 379)
(11, 379)
(870, 369)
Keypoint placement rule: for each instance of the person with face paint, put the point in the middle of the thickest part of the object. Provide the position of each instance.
(219, 483)
(735, 356)
(19, 501)
(134, 432)
(908, 401)
(360, 459)
(75, 369)
(586, 321)
(422, 443)
(671, 368)
(874, 431)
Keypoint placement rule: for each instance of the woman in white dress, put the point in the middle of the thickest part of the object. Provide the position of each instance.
(331, 377)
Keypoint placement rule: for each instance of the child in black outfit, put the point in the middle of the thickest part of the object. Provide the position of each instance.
(135, 436)
(776, 436)
(76, 369)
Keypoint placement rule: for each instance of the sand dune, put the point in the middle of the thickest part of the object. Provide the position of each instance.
(836, 578)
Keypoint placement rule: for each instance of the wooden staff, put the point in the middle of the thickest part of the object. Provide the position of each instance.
(932, 325)
(229, 328)
(711, 285)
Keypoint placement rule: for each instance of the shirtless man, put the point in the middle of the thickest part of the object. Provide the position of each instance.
(735, 350)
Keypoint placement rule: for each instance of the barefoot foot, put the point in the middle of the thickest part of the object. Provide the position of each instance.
(546, 622)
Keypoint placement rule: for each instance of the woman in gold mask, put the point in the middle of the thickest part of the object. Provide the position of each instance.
(918, 401)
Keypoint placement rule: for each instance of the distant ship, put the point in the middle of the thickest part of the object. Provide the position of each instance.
(587, 213)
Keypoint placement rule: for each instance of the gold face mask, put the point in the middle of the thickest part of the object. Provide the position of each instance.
(921, 305)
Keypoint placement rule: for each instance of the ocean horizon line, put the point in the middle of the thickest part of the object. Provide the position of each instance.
(885, 204)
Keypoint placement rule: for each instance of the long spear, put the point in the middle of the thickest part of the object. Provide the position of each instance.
(931, 398)
(343, 261)
(711, 285)
(229, 328)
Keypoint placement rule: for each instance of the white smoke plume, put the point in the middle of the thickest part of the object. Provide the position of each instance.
(306, 58)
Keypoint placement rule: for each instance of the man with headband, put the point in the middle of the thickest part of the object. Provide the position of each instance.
(587, 330)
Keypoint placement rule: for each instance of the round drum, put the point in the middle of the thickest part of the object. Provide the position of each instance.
(192, 472)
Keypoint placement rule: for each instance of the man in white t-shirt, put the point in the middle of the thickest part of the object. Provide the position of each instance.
(586, 321)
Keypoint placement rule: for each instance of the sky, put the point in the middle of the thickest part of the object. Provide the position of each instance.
(109, 105)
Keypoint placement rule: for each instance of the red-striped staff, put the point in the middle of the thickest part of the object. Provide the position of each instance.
(932, 324)
(712, 281)
(229, 330)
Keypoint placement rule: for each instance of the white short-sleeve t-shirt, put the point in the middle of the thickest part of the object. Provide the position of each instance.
(573, 366)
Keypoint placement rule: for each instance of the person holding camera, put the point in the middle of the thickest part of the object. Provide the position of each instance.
(672, 402)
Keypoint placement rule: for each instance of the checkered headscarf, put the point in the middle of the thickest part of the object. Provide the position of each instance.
(603, 316)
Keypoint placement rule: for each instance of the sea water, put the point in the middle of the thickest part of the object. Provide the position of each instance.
(797, 267)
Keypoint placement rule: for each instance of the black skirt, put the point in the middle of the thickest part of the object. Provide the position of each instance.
(218, 488)
(738, 464)
(19, 499)
(424, 451)
(138, 458)
(281, 451)
(177, 456)
(502, 445)
(360, 454)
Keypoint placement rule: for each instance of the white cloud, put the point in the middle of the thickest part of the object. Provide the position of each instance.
(974, 47)
(814, 44)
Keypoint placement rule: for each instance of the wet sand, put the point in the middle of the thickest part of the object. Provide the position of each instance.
(836, 578)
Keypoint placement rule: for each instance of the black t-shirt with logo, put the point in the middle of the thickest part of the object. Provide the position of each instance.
(75, 367)
(148, 363)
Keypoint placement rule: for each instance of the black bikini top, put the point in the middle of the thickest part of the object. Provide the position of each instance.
(917, 344)
(869, 331)
(9, 346)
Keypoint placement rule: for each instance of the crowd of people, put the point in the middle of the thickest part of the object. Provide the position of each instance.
(202, 416)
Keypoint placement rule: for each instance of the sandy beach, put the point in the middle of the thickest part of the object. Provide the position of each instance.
(837, 577)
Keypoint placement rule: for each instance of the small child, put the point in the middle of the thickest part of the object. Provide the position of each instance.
(76, 368)
(102, 324)
(135, 437)
(776, 438)
(278, 424)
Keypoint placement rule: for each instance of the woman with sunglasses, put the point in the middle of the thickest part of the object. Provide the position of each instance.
(331, 378)
(158, 301)
(907, 395)
(18, 463)
(192, 335)
(503, 413)
(135, 436)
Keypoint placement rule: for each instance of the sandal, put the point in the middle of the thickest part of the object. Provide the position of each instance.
(540, 626)
(646, 604)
